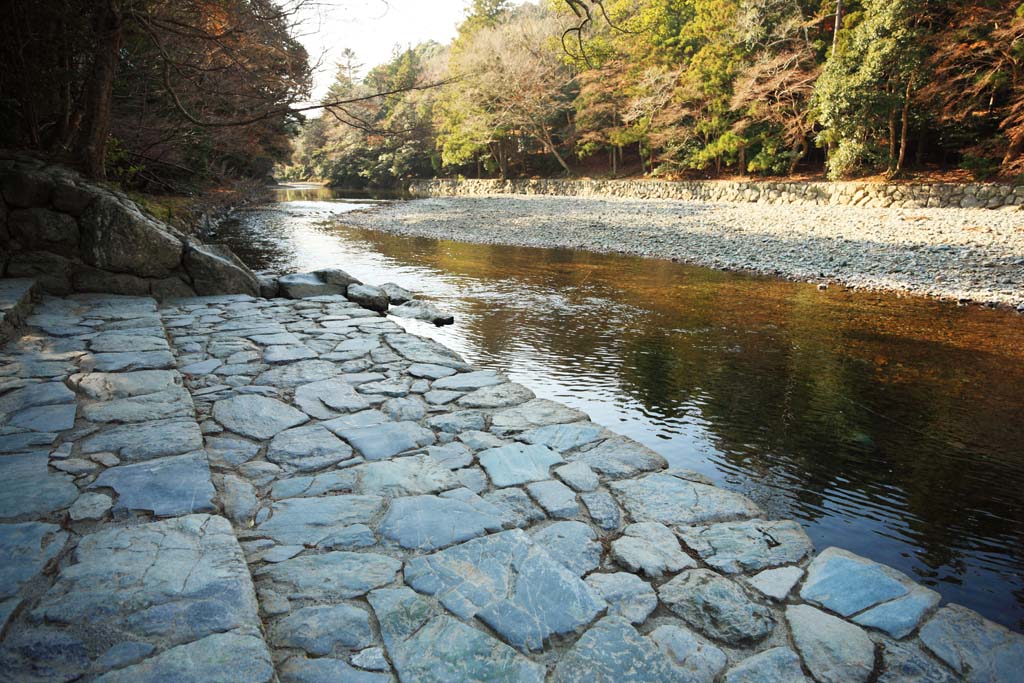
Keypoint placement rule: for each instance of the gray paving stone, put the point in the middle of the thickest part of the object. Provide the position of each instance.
(481, 441)
(218, 658)
(326, 670)
(90, 506)
(310, 521)
(135, 360)
(572, 544)
(565, 437)
(497, 396)
(771, 666)
(428, 371)
(696, 657)
(170, 403)
(603, 509)
(436, 397)
(24, 441)
(120, 342)
(431, 522)
(458, 422)
(835, 651)
(298, 373)
(340, 481)
(122, 655)
(395, 387)
(418, 350)
(256, 416)
(308, 448)
(146, 440)
(406, 476)
(239, 500)
(386, 440)
(319, 629)
(527, 597)
(41, 394)
(734, 547)
(579, 476)
(28, 488)
(167, 487)
(976, 648)
(330, 576)
(900, 616)
(25, 549)
(363, 418)
(907, 663)
(170, 581)
(203, 367)
(670, 500)
(372, 658)
(518, 464)
(612, 650)
(628, 596)
(438, 649)
(717, 607)
(846, 583)
(650, 548)
(538, 412)
(516, 508)
(42, 655)
(776, 583)
(469, 381)
(229, 452)
(404, 409)
(621, 457)
(286, 354)
(557, 499)
(451, 456)
(54, 418)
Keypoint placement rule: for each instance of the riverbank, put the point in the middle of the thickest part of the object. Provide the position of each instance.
(328, 496)
(959, 254)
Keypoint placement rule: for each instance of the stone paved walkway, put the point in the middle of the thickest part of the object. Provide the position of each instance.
(238, 489)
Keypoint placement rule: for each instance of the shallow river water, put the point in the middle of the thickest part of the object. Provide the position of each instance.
(892, 427)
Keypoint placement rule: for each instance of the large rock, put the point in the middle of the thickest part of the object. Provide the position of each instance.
(302, 285)
(422, 310)
(216, 270)
(119, 237)
(397, 295)
(336, 277)
(717, 607)
(45, 230)
(834, 650)
(368, 296)
(509, 583)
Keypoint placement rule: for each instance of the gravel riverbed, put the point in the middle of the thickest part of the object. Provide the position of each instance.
(963, 254)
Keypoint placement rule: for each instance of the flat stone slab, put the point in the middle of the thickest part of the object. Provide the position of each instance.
(771, 666)
(557, 499)
(430, 522)
(650, 548)
(497, 396)
(320, 629)
(671, 500)
(572, 544)
(835, 651)
(54, 418)
(385, 440)
(130, 360)
(612, 650)
(103, 386)
(509, 583)
(469, 381)
(29, 488)
(326, 398)
(330, 576)
(41, 394)
(146, 440)
(518, 463)
(167, 487)
(311, 521)
(628, 596)
(259, 417)
(170, 403)
(406, 476)
(539, 412)
(326, 670)
(717, 607)
(621, 457)
(699, 659)
(976, 648)
(439, 649)
(171, 581)
(25, 549)
(221, 657)
(734, 547)
(847, 584)
(308, 448)
(565, 437)
(776, 583)
(298, 373)
(908, 663)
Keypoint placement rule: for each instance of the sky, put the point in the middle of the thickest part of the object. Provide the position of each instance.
(372, 28)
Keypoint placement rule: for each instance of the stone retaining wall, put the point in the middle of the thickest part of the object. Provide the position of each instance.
(962, 195)
(72, 235)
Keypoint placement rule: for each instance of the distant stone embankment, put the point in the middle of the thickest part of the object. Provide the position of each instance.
(863, 194)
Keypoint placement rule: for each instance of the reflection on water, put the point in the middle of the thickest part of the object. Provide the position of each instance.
(892, 427)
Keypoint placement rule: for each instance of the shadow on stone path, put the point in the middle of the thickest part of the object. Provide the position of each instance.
(391, 513)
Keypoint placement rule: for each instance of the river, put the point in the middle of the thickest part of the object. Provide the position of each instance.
(890, 426)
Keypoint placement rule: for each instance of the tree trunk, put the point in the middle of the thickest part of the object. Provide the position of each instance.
(839, 21)
(797, 153)
(91, 150)
(905, 125)
(892, 139)
(1015, 149)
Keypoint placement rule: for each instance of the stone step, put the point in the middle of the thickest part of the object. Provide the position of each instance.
(16, 300)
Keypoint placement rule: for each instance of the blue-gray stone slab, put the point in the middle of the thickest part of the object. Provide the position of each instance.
(309, 521)
(573, 544)
(835, 651)
(146, 440)
(330, 576)
(557, 499)
(774, 665)
(258, 417)
(565, 437)
(538, 412)
(734, 547)
(717, 607)
(319, 629)
(621, 457)
(385, 440)
(694, 655)
(307, 448)
(41, 394)
(25, 549)
(29, 488)
(54, 418)
(509, 583)
(218, 658)
(627, 595)
(976, 648)
(612, 650)
(846, 583)
(326, 670)
(518, 463)
(167, 487)
(326, 398)
(670, 500)
(900, 616)
(908, 663)
(430, 522)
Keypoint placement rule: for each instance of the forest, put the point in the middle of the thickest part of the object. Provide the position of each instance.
(167, 94)
(688, 88)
